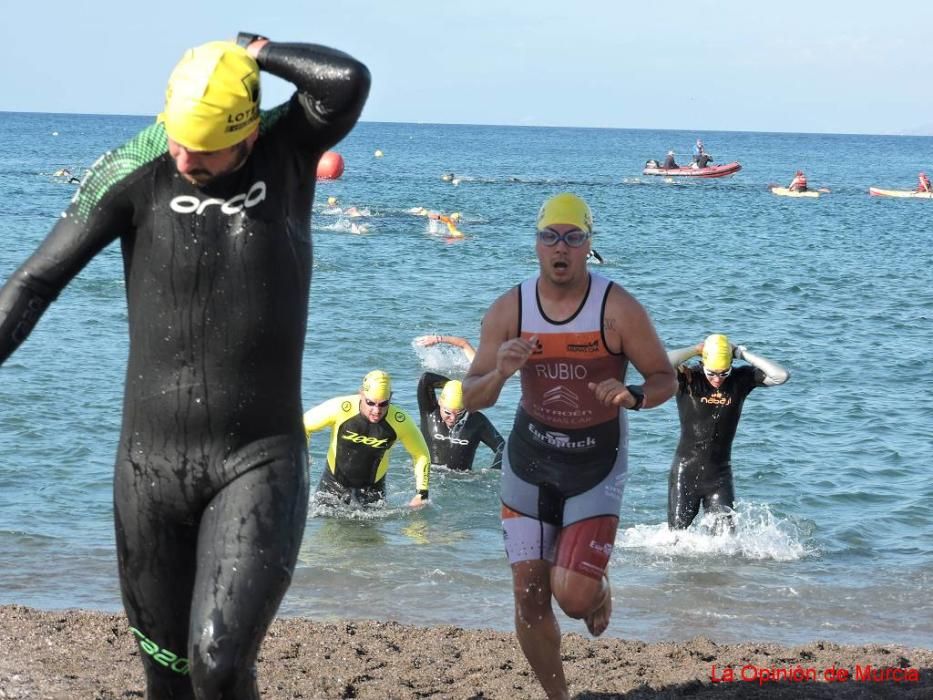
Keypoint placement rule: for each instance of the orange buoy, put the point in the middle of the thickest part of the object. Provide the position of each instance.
(330, 167)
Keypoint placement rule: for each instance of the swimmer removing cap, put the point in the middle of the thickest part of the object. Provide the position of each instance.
(565, 208)
(212, 98)
(717, 352)
(451, 396)
(377, 385)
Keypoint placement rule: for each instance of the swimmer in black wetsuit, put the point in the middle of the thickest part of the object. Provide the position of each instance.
(709, 400)
(452, 433)
(212, 209)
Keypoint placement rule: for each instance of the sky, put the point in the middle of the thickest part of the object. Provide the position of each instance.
(821, 66)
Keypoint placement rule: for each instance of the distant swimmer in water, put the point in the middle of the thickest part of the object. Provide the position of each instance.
(448, 177)
(453, 434)
(594, 257)
(710, 396)
(364, 427)
(66, 173)
(450, 220)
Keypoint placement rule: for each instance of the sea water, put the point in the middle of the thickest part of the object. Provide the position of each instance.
(834, 535)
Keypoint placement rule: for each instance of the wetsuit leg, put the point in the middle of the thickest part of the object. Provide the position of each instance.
(683, 498)
(721, 501)
(202, 576)
(247, 547)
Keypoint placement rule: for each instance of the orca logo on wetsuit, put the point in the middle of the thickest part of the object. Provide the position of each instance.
(453, 440)
(189, 204)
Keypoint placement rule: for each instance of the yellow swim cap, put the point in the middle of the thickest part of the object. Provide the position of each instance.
(212, 99)
(377, 385)
(566, 208)
(717, 352)
(332, 200)
(452, 395)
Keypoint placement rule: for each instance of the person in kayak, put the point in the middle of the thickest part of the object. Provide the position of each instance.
(212, 208)
(364, 428)
(799, 183)
(710, 396)
(924, 183)
(669, 161)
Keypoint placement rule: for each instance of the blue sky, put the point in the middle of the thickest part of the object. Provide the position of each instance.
(830, 66)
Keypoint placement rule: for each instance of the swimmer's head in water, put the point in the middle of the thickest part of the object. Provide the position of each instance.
(332, 200)
(451, 396)
(568, 209)
(212, 99)
(377, 386)
(717, 353)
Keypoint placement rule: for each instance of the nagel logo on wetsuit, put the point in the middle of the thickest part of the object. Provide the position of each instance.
(189, 204)
(717, 399)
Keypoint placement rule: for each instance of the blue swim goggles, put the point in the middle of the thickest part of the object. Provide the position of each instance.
(573, 238)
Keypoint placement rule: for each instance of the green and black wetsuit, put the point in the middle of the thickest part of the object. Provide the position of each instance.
(211, 485)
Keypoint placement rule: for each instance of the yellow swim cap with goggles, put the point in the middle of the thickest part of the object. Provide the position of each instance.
(377, 385)
(565, 208)
(212, 99)
(717, 353)
(451, 396)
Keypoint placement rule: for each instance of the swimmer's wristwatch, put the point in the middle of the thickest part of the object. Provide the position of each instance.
(639, 394)
(244, 39)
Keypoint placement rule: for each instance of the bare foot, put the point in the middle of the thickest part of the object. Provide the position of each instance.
(598, 620)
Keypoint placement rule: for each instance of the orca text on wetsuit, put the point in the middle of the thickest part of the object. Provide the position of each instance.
(454, 447)
(210, 492)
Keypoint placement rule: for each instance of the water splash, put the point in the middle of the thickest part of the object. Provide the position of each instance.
(758, 534)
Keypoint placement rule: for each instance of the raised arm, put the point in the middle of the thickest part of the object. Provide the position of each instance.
(680, 356)
(428, 385)
(462, 343)
(775, 374)
(332, 86)
(322, 415)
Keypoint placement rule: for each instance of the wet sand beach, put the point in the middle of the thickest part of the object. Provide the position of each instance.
(77, 654)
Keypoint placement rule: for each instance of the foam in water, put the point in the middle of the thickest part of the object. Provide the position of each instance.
(442, 358)
(759, 534)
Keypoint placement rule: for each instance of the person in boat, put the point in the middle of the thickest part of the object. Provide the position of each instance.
(710, 396)
(799, 183)
(669, 161)
(924, 184)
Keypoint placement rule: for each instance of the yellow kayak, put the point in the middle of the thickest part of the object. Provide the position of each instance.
(784, 192)
(878, 192)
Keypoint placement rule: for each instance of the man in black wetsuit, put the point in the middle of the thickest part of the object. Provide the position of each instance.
(452, 433)
(212, 208)
(710, 396)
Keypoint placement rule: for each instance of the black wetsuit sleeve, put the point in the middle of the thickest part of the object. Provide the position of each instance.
(428, 385)
(491, 437)
(71, 244)
(332, 87)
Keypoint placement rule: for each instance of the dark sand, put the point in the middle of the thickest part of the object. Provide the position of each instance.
(74, 654)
